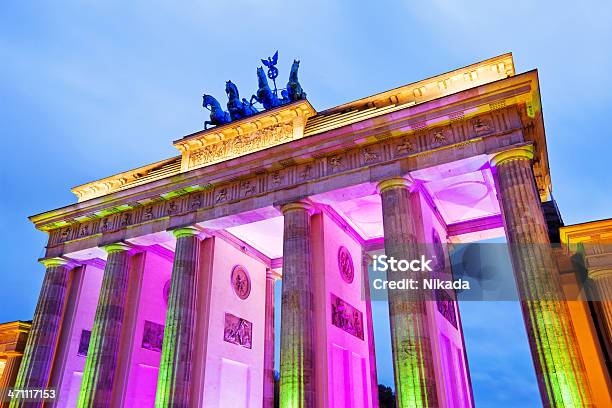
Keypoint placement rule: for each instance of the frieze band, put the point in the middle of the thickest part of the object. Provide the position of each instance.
(390, 149)
(239, 145)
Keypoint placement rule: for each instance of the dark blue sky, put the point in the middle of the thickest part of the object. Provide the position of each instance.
(88, 89)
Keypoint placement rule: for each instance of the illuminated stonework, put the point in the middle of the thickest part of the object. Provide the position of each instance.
(13, 336)
(345, 265)
(241, 282)
(307, 197)
(236, 139)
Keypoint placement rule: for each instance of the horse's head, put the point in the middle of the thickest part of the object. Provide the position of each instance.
(261, 77)
(206, 100)
(294, 70)
(209, 100)
(231, 90)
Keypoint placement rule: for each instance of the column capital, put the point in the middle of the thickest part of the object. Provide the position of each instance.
(56, 261)
(272, 274)
(298, 205)
(117, 247)
(600, 273)
(395, 182)
(518, 153)
(185, 232)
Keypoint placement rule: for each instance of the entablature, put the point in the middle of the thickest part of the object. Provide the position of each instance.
(476, 121)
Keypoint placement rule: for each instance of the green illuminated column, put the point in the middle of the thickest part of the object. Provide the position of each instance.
(410, 335)
(38, 354)
(174, 380)
(297, 375)
(102, 354)
(558, 364)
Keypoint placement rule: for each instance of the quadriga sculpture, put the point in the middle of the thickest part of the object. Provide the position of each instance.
(269, 98)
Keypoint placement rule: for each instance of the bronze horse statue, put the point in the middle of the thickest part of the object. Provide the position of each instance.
(294, 89)
(217, 115)
(238, 109)
(265, 95)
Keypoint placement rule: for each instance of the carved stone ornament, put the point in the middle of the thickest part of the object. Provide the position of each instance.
(345, 265)
(238, 331)
(84, 343)
(405, 146)
(241, 282)
(166, 291)
(241, 144)
(438, 248)
(152, 336)
(346, 317)
(248, 135)
(446, 306)
(482, 126)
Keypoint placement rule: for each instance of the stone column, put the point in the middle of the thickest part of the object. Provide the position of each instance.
(11, 368)
(174, 380)
(597, 255)
(601, 282)
(554, 348)
(9, 374)
(413, 364)
(102, 354)
(268, 386)
(38, 354)
(297, 360)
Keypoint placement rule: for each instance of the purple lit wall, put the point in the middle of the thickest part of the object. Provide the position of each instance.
(233, 374)
(343, 347)
(447, 342)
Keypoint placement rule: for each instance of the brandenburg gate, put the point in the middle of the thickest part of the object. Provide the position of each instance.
(159, 282)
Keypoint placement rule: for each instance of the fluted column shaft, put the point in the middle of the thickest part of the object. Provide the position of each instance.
(102, 354)
(174, 380)
(38, 354)
(410, 339)
(11, 368)
(9, 374)
(297, 381)
(559, 366)
(268, 387)
(601, 281)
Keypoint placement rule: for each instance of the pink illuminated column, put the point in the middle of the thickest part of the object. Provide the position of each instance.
(297, 381)
(268, 385)
(553, 343)
(174, 380)
(410, 340)
(38, 354)
(102, 355)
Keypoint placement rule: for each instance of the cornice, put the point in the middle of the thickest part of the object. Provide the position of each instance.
(16, 326)
(599, 230)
